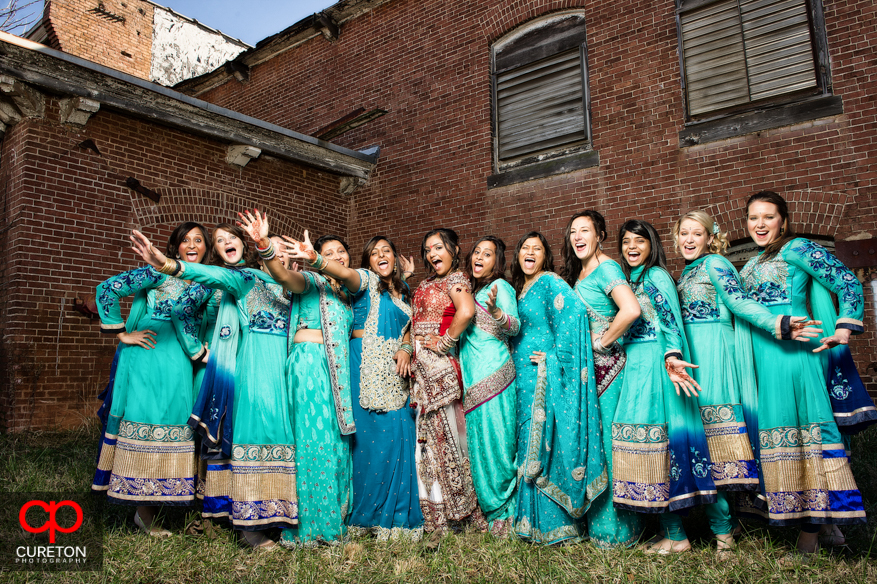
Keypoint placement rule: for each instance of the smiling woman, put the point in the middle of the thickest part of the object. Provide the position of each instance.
(561, 464)
(147, 455)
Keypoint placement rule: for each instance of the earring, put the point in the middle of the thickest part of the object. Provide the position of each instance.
(600, 246)
(782, 230)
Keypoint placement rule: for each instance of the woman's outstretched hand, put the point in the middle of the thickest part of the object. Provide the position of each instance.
(804, 329)
(255, 224)
(492, 308)
(300, 250)
(840, 337)
(676, 370)
(144, 248)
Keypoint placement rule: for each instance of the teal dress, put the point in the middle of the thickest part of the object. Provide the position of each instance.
(805, 472)
(385, 497)
(660, 458)
(147, 454)
(250, 477)
(319, 382)
(607, 526)
(561, 464)
(489, 402)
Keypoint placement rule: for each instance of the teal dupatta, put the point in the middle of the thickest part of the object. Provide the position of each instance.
(336, 341)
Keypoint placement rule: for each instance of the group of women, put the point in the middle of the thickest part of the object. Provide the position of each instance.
(556, 407)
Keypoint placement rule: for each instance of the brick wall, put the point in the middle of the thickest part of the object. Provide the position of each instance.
(427, 63)
(66, 219)
(112, 33)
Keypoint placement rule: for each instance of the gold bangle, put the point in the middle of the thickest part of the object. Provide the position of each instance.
(169, 267)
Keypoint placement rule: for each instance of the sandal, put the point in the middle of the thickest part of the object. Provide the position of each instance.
(833, 537)
(725, 545)
(665, 549)
(153, 531)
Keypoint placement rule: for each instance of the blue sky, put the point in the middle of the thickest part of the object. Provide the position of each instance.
(250, 21)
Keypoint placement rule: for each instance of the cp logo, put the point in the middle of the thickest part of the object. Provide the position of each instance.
(51, 524)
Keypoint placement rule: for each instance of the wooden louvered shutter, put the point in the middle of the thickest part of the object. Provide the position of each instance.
(735, 52)
(540, 106)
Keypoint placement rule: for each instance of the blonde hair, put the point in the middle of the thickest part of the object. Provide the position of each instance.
(720, 242)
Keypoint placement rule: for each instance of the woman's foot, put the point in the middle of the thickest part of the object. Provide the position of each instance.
(725, 545)
(805, 552)
(258, 540)
(668, 546)
(831, 535)
(144, 518)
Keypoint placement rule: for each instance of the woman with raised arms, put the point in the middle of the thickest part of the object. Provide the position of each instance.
(242, 411)
(443, 308)
(147, 456)
(385, 497)
(612, 308)
(319, 383)
(715, 316)
(561, 463)
(489, 396)
(660, 459)
(806, 475)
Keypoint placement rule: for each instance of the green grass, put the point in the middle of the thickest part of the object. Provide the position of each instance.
(65, 462)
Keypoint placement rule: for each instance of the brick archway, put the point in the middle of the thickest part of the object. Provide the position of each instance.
(812, 212)
(502, 18)
(204, 206)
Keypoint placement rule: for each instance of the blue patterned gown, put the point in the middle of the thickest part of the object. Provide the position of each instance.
(243, 409)
(660, 458)
(147, 451)
(562, 467)
(385, 497)
(805, 470)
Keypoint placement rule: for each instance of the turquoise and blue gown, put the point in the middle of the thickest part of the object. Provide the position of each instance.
(320, 399)
(805, 471)
(385, 498)
(607, 526)
(489, 403)
(561, 463)
(660, 458)
(243, 411)
(147, 454)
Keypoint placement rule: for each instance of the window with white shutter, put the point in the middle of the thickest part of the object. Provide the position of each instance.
(739, 52)
(540, 91)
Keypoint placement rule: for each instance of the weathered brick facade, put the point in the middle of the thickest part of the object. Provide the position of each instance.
(112, 33)
(427, 64)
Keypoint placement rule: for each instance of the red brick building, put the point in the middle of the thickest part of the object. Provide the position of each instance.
(491, 117)
(692, 104)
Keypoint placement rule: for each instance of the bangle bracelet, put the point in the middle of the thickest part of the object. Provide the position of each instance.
(319, 263)
(597, 346)
(170, 267)
(501, 317)
(407, 348)
(268, 253)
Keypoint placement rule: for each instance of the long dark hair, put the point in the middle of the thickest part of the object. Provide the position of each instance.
(656, 256)
(788, 233)
(572, 266)
(451, 241)
(498, 267)
(251, 256)
(179, 234)
(518, 272)
(395, 275)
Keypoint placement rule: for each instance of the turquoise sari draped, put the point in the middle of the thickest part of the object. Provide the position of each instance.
(561, 463)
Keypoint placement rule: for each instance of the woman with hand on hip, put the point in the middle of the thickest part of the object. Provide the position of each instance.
(612, 308)
(147, 455)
